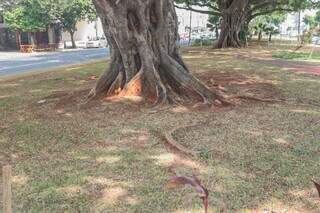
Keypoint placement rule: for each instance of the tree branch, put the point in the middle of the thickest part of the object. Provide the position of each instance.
(270, 11)
(209, 12)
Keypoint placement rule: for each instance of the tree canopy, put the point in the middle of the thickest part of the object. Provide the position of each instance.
(268, 24)
(37, 15)
(70, 12)
(27, 16)
(253, 7)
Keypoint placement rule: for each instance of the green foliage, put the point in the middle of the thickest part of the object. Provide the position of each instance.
(214, 22)
(36, 15)
(296, 55)
(27, 16)
(268, 24)
(317, 17)
(73, 11)
(309, 20)
(307, 36)
(314, 27)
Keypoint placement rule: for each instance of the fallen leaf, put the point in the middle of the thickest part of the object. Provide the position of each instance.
(317, 186)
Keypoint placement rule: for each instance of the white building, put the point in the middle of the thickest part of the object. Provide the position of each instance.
(290, 27)
(198, 20)
(85, 31)
(90, 30)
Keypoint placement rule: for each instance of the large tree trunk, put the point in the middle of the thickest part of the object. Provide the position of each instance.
(217, 31)
(234, 16)
(145, 58)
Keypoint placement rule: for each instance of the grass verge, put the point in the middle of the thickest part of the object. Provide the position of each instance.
(110, 157)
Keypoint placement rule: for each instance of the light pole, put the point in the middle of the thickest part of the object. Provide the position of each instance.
(190, 28)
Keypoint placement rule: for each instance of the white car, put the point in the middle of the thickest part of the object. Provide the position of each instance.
(97, 43)
(79, 44)
(316, 40)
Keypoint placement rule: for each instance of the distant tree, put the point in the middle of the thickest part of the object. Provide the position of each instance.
(314, 26)
(317, 17)
(27, 16)
(268, 24)
(309, 20)
(214, 24)
(36, 15)
(237, 14)
(70, 12)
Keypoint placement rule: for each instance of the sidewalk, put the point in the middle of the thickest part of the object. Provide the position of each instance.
(17, 54)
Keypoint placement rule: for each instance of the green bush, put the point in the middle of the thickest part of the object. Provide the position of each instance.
(307, 36)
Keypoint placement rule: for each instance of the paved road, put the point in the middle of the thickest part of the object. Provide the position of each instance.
(15, 63)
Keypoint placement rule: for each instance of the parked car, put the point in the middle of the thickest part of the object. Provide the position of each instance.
(79, 44)
(97, 43)
(316, 40)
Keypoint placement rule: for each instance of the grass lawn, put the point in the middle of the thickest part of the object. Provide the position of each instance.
(301, 53)
(297, 55)
(109, 156)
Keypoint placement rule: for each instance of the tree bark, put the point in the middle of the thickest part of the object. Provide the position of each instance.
(217, 31)
(145, 58)
(234, 17)
(31, 38)
(72, 39)
(270, 37)
(260, 35)
(18, 39)
(1, 41)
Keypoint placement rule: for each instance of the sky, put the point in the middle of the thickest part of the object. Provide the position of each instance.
(197, 20)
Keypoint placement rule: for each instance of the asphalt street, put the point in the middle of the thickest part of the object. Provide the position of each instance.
(12, 63)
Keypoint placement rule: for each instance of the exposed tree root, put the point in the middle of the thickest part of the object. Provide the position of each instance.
(298, 47)
(176, 145)
(173, 143)
(255, 98)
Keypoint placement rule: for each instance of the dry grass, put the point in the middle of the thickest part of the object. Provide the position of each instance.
(109, 156)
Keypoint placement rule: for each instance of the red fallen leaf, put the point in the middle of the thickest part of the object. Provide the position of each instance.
(317, 186)
(203, 193)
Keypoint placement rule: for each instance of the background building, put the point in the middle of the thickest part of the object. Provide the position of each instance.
(198, 20)
(85, 31)
(289, 28)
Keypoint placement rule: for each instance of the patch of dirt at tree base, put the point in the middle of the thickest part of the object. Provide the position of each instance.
(230, 84)
(233, 84)
(64, 104)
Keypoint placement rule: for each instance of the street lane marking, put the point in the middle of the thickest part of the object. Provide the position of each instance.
(27, 65)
